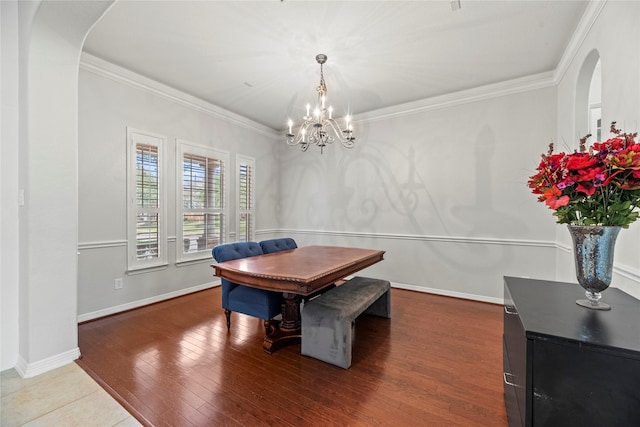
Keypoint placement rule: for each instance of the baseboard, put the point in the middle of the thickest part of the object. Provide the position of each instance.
(146, 301)
(28, 370)
(442, 292)
(446, 293)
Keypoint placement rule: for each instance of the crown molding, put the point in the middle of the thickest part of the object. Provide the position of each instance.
(589, 17)
(119, 74)
(495, 90)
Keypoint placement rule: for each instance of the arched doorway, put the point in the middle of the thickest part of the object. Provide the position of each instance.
(588, 89)
(48, 147)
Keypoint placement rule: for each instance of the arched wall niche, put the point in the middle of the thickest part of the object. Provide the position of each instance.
(588, 91)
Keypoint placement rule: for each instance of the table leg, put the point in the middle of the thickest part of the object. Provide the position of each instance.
(291, 311)
(289, 330)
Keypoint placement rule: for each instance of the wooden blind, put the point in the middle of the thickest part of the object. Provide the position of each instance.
(202, 202)
(245, 202)
(147, 202)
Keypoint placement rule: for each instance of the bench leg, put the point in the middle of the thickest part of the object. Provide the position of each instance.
(381, 307)
(328, 339)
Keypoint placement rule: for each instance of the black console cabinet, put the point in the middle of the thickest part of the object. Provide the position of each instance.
(566, 365)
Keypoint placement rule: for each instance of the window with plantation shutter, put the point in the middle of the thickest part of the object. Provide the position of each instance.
(245, 167)
(146, 229)
(202, 218)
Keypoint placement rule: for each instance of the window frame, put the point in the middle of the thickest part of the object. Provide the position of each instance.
(251, 162)
(187, 147)
(135, 138)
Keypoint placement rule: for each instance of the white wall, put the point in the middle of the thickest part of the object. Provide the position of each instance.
(616, 36)
(442, 190)
(9, 125)
(110, 100)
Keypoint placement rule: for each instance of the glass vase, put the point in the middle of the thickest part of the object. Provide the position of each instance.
(593, 247)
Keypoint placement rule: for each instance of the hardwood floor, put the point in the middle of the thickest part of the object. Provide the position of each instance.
(436, 362)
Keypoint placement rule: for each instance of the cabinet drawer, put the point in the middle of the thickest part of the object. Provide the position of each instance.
(515, 351)
(514, 415)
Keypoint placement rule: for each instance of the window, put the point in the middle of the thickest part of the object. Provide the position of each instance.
(245, 208)
(146, 229)
(202, 206)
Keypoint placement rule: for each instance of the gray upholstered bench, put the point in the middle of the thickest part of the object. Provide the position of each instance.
(327, 321)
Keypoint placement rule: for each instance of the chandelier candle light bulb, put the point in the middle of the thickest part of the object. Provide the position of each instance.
(322, 128)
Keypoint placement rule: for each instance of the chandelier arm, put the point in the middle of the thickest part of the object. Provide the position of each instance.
(336, 128)
(350, 142)
(313, 136)
(344, 136)
(297, 139)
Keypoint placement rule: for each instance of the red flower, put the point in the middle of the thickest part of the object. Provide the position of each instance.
(598, 185)
(609, 144)
(578, 161)
(553, 200)
(587, 174)
(586, 188)
(625, 159)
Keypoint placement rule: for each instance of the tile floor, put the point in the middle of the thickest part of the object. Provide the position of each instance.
(66, 396)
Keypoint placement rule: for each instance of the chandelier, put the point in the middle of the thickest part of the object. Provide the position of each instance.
(320, 128)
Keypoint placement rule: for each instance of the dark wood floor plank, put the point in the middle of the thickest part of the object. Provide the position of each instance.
(437, 362)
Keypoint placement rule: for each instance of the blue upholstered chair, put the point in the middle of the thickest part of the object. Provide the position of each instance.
(277, 245)
(245, 299)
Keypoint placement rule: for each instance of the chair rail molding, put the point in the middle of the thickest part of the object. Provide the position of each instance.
(430, 238)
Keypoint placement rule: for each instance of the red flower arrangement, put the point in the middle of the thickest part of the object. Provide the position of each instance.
(600, 186)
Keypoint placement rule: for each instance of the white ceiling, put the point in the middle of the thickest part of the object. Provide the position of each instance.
(257, 58)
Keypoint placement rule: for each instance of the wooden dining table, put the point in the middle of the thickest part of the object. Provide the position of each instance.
(296, 273)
